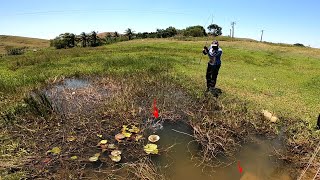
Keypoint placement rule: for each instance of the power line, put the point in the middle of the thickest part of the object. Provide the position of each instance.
(71, 11)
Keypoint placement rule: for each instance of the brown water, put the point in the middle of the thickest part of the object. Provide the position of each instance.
(75, 96)
(177, 161)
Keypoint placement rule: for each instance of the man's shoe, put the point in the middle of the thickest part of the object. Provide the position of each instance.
(212, 89)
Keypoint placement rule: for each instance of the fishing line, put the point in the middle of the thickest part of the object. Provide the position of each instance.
(310, 161)
(211, 16)
(315, 176)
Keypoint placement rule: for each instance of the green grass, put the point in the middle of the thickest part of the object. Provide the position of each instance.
(282, 79)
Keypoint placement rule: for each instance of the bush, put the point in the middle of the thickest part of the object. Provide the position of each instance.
(299, 44)
(59, 43)
(15, 50)
(195, 31)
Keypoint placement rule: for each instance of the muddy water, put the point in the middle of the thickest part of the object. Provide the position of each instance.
(73, 83)
(73, 96)
(177, 162)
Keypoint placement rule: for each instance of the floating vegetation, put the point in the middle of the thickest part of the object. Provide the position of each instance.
(103, 141)
(55, 151)
(115, 158)
(151, 149)
(94, 158)
(153, 138)
(119, 137)
(99, 135)
(74, 157)
(115, 152)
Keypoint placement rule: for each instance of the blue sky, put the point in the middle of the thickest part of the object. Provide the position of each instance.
(287, 21)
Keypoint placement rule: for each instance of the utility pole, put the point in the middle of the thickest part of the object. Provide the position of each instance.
(261, 35)
(232, 24)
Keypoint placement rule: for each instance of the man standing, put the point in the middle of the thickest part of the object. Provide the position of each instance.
(214, 53)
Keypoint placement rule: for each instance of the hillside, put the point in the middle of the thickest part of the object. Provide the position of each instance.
(104, 34)
(17, 41)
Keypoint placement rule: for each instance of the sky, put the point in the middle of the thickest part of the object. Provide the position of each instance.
(283, 21)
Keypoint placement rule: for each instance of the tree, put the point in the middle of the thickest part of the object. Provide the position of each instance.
(129, 33)
(78, 39)
(216, 30)
(195, 31)
(116, 34)
(160, 33)
(65, 40)
(69, 39)
(84, 37)
(109, 38)
(172, 31)
(93, 39)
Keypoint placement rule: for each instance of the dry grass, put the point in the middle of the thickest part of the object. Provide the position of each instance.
(144, 169)
(16, 41)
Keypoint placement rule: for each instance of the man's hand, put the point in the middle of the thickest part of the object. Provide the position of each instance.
(205, 50)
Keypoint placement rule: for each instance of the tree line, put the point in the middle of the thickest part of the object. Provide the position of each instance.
(70, 40)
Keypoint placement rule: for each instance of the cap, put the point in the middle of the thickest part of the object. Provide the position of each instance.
(215, 42)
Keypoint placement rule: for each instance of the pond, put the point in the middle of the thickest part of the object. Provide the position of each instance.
(178, 160)
(74, 97)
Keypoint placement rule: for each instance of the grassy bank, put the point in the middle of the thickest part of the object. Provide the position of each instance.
(284, 80)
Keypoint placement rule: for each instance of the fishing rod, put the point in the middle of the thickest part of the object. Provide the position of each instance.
(208, 35)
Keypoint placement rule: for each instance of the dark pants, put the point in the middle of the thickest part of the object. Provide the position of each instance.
(212, 74)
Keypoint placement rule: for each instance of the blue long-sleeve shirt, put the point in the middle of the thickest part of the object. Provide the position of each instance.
(214, 56)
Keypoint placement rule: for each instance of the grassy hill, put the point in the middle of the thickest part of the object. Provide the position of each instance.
(17, 41)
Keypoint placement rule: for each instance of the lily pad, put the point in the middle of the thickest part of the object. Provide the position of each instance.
(124, 128)
(103, 141)
(119, 137)
(153, 138)
(134, 129)
(115, 152)
(55, 151)
(115, 158)
(127, 134)
(74, 157)
(99, 135)
(151, 149)
(93, 159)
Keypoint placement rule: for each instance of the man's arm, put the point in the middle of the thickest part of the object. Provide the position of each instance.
(205, 50)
